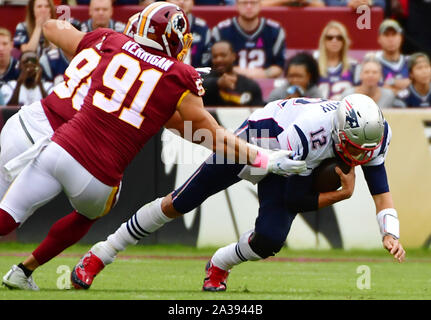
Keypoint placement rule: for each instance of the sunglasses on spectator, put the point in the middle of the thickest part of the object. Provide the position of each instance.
(331, 37)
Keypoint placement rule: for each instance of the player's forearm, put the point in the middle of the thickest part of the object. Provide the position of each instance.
(224, 143)
(383, 201)
(234, 148)
(329, 198)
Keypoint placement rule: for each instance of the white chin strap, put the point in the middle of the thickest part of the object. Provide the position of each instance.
(389, 223)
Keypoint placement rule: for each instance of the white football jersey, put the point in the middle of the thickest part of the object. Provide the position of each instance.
(305, 127)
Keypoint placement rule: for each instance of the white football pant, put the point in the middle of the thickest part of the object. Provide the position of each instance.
(52, 171)
(29, 122)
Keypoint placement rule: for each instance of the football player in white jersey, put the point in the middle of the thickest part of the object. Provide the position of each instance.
(353, 130)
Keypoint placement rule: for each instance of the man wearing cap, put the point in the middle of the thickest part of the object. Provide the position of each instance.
(395, 68)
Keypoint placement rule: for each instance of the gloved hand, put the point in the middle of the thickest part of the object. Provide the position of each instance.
(279, 162)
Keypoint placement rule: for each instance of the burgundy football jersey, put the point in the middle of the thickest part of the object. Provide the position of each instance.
(134, 91)
(68, 96)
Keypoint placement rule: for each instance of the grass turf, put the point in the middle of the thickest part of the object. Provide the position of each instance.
(177, 272)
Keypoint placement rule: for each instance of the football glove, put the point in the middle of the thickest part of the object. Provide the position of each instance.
(279, 162)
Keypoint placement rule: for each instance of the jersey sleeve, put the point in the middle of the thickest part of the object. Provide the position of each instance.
(90, 38)
(191, 80)
(297, 141)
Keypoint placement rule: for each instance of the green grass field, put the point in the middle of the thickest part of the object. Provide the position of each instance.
(177, 272)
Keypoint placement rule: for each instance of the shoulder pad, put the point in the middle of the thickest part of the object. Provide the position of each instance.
(200, 22)
(272, 23)
(224, 23)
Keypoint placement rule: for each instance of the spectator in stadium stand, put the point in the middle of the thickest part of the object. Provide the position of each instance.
(223, 86)
(418, 93)
(259, 42)
(100, 12)
(371, 73)
(199, 54)
(28, 34)
(8, 64)
(29, 37)
(30, 86)
(336, 68)
(302, 72)
(354, 4)
(394, 63)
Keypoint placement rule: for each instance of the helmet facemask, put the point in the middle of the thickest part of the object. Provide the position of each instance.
(186, 41)
(178, 25)
(352, 153)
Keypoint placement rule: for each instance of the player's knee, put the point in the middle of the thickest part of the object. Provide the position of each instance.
(263, 246)
(168, 207)
(7, 223)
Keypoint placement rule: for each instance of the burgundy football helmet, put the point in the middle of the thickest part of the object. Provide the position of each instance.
(162, 26)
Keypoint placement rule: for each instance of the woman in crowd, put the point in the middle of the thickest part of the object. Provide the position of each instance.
(302, 76)
(28, 34)
(335, 67)
(29, 37)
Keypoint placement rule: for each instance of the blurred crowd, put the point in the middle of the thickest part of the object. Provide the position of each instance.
(248, 54)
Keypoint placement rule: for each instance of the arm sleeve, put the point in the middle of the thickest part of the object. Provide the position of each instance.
(376, 178)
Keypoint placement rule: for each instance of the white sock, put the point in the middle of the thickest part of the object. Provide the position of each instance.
(227, 257)
(146, 220)
(104, 252)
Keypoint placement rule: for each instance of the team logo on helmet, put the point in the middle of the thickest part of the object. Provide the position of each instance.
(177, 23)
(352, 119)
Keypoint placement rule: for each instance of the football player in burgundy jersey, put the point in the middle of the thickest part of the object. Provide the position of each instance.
(125, 106)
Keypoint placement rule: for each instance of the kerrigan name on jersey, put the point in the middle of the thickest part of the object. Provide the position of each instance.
(136, 50)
